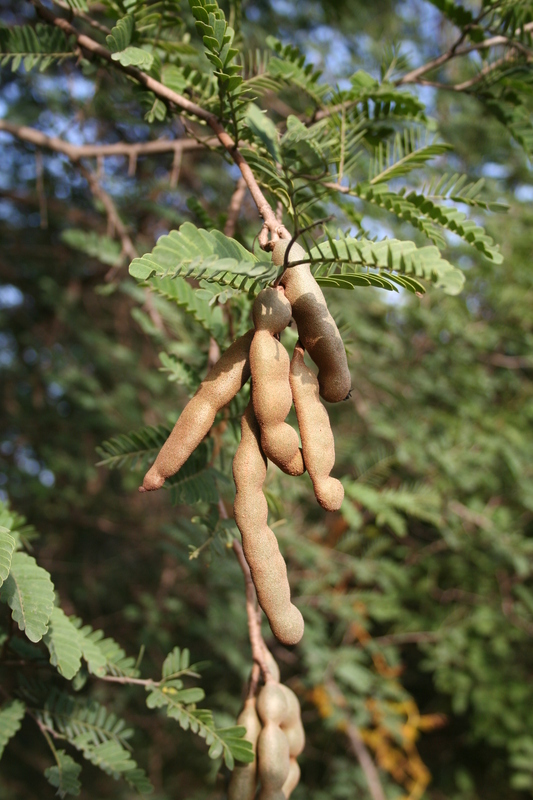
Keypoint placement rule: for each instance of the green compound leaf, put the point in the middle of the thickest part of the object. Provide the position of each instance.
(196, 253)
(7, 548)
(388, 256)
(11, 715)
(29, 592)
(64, 776)
(63, 642)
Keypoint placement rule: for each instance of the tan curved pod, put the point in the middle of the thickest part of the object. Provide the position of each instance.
(318, 445)
(271, 392)
(273, 750)
(243, 781)
(260, 545)
(221, 384)
(316, 327)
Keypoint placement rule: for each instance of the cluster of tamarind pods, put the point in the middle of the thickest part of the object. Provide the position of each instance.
(274, 727)
(277, 382)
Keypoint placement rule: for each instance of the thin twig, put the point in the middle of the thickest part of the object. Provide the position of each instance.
(367, 765)
(76, 152)
(235, 208)
(41, 194)
(128, 248)
(456, 52)
(183, 104)
(359, 748)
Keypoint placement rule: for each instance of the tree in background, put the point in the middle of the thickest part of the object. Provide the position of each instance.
(389, 138)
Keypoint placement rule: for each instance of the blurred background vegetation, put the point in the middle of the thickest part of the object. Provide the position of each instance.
(418, 594)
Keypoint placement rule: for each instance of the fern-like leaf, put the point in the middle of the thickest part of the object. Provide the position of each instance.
(64, 775)
(178, 703)
(29, 592)
(178, 290)
(11, 715)
(133, 449)
(7, 548)
(393, 259)
(33, 47)
(197, 253)
(62, 640)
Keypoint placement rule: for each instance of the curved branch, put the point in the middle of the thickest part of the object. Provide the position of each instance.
(183, 104)
(75, 152)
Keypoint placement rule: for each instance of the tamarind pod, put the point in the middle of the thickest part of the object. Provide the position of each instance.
(292, 723)
(316, 327)
(243, 781)
(271, 392)
(273, 760)
(293, 778)
(317, 439)
(271, 310)
(260, 546)
(273, 704)
(221, 384)
(272, 665)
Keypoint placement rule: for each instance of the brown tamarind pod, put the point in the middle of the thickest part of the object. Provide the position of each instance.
(273, 761)
(316, 327)
(292, 723)
(260, 546)
(273, 704)
(243, 781)
(221, 384)
(293, 778)
(318, 445)
(271, 391)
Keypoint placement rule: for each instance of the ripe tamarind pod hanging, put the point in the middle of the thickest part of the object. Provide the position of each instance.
(293, 778)
(243, 781)
(316, 327)
(260, 546)
(317, 438)
(273, 750)
(273, 761)
(273, 705)
(292, 723)
(221, 384)
(271, 391)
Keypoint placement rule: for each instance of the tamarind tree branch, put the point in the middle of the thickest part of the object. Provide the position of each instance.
(183, 104)
(367, 765)
(456, 51)
(235, 208)
(76, 152)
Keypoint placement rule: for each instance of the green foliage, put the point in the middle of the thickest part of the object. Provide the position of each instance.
(418, 593)
(29, 593)
(403, 258)
(196, 253)
(64, 776)
(218, 37)
(180, 704)
(33, 47)
(7, 548)
(105, 249)
(11, 715)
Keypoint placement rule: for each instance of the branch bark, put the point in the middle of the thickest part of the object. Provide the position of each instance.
(183, 104)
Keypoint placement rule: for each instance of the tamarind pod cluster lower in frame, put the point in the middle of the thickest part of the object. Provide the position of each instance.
(318, 445)
(280, 742)
(260, 546)
(243, 781)
(316, 327)
(271, 391)
(222, 383)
